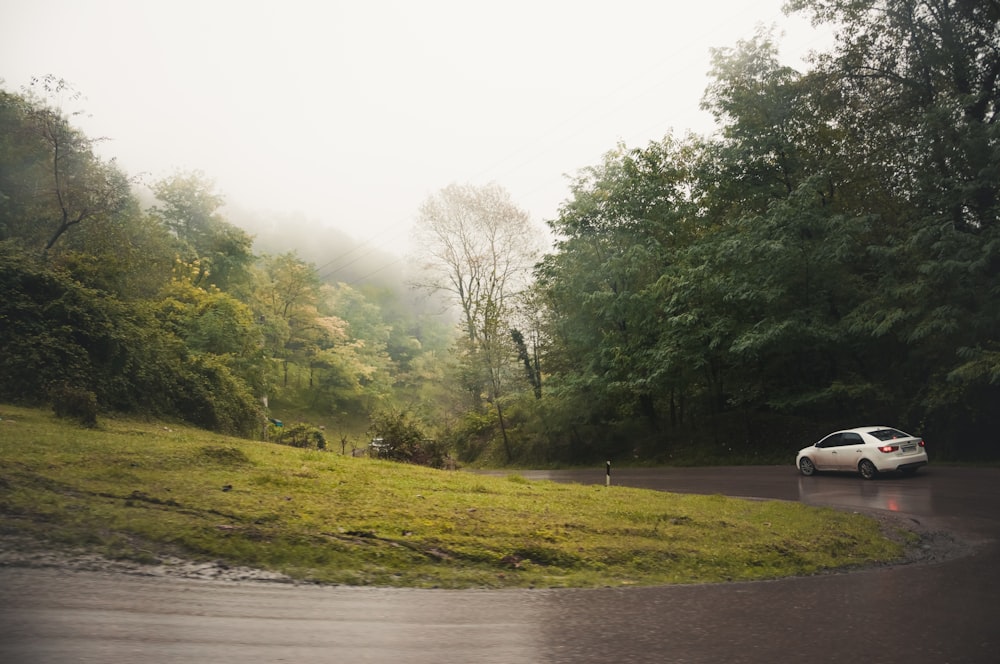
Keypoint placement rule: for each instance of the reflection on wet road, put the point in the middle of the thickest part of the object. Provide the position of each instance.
(908, 495)
(913, 495)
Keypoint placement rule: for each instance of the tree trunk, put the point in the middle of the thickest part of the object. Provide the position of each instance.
(503, 431)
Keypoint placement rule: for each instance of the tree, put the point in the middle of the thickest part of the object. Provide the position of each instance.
(285, 299)
(59, 183)
(783, 261)
(920, 86)
(189, 209)
(478, 247)
(618, 238)
(922, 78)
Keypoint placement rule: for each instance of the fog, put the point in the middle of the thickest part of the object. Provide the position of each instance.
(348, 115)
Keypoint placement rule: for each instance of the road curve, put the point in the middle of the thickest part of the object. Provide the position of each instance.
(938, 612)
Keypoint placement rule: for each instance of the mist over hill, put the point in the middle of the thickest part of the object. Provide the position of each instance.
(337, 255)
(377, 266)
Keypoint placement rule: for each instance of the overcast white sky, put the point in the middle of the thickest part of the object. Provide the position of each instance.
(353, 113)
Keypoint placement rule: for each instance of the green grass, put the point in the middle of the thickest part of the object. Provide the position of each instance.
(141, 490)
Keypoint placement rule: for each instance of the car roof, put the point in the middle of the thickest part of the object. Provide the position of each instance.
(872, 429)
(865, 429)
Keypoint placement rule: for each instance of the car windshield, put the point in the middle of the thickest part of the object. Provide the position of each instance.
(889, 434)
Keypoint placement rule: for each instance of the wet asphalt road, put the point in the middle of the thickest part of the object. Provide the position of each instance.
(937, 613)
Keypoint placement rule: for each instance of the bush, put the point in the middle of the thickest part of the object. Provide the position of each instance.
(203, 391)
(404, 440)
(304, 436)
(55, 332)
(473, 434)
(75, 403)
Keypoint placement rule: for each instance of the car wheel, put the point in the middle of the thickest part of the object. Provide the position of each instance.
(806, 467)
(867, 469)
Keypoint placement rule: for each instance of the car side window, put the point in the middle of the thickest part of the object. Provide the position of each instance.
(852, 439)
(833, 440)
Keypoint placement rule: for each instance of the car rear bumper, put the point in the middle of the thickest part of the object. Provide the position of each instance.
(908, 462)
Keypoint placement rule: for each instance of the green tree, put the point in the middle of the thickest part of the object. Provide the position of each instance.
(783, 259)
(285, 299)
(922, 77)
(617, 240)
(330, 342)
(129, 254)
(211, 322)
(920, 83)
(52, 181)
(189, 208)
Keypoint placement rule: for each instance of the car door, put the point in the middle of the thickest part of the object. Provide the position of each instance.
(825, 453)
(850, 450)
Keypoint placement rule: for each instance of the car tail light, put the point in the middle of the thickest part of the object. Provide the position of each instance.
(922, 443)
(888, 448)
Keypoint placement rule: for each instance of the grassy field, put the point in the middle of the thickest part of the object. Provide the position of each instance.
(140, 490)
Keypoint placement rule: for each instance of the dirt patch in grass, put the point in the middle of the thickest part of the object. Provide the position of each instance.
(26, 552)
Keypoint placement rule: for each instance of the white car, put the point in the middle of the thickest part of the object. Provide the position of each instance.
(865, 450)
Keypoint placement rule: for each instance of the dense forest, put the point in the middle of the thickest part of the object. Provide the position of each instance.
(829, 257)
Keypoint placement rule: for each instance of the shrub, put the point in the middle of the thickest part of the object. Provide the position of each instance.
(75, 403)
(209, 395)
(300, 435)
(403, 439)
(55, 332)
(472, 435)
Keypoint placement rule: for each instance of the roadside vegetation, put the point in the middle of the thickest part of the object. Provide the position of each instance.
(140, 490)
